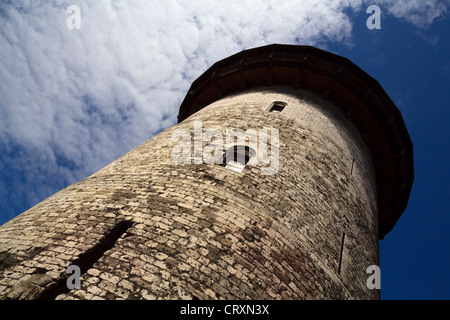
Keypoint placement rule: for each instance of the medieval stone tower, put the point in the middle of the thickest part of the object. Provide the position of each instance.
(302, 223)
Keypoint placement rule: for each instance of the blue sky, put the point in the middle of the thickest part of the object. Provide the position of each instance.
(412, 65)
(72, 101)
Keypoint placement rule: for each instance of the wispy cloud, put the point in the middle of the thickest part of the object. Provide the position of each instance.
(421, 13)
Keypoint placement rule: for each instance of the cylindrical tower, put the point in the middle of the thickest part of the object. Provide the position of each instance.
(326, 171)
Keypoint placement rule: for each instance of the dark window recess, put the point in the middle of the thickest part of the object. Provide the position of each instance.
(341, 253)
(237, 157)
(86, 260)
(277, 106)
(353, 165)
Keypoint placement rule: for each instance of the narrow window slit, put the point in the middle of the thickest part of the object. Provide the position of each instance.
(86, 260)
(353, 164)
(340, 255)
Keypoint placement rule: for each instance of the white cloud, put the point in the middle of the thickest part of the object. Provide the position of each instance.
(74, 100)
(421, 13)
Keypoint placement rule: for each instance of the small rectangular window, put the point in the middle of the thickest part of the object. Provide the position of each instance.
(277, 107)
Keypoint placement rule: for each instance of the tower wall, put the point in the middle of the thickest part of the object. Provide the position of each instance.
(202, 231)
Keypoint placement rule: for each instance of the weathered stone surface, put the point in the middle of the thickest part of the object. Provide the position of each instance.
(203, 231)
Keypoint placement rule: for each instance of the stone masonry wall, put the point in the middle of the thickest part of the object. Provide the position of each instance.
(203, 231)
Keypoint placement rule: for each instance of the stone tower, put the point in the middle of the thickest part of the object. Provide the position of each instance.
(301, 223)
